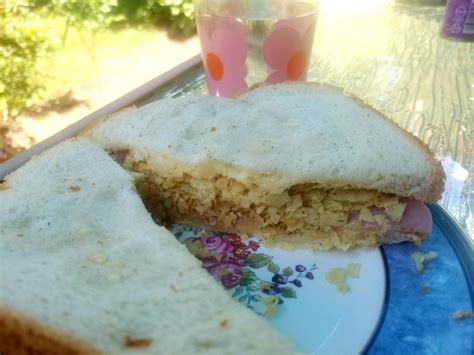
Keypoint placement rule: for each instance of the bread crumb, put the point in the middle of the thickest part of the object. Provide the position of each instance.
(338, 276)
(343, 288)
(74, 188)
(462, 314)
(223, 323)
(114, 278)
(97, 259)
(120, 264)
(425, 288)
(421, 259)
(130, 342)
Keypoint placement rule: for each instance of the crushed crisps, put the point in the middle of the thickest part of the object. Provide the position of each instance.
(338, 276)
(421, 259)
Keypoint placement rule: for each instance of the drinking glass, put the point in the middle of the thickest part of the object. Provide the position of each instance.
(254, 41)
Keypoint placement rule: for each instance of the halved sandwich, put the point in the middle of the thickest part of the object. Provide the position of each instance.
(84, 269)
(301, 164)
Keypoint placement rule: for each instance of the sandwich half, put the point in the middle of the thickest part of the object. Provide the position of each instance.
(84, 269)
(301, 164)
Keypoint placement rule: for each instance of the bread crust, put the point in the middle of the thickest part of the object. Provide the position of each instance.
(21, 335)
(85, 133)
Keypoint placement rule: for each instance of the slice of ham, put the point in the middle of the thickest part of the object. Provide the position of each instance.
(416, 219)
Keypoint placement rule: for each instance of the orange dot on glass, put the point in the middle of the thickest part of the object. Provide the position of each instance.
(214, 66)
(296, 65)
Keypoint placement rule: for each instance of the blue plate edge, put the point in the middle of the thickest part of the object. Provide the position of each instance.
(383, 312)
(462, 247)
(459, 241)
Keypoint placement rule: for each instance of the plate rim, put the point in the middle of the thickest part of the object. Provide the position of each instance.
(459, 240)
(383, 312)
(463, 249)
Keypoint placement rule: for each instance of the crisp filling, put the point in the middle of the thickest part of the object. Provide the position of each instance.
(330, 217)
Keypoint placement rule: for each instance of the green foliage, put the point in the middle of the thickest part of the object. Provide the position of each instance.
(91, 15)
(273, 268)
(98, 14)
(248, 277)
(288, 271)
(23, 41)
(178, 14)
(258, 260)
(288, 292)
(26, 38)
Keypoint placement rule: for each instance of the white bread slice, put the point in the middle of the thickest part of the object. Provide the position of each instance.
(84, 269)
(349, 140)
(279, 136)
(292, 162)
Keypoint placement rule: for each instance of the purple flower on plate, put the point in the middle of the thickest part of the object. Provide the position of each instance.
(232, 278)
(279, 279)
(226, 271)
(273, 290)
(230, 261)
(296, 282)
(300, 268)
(217, 244)
(241, 253)
(254, 245)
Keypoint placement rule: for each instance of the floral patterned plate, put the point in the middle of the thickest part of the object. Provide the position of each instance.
(368, 300)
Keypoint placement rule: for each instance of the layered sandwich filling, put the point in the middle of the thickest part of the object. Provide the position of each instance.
(309, 214)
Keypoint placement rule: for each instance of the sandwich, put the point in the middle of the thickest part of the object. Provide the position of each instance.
(297, 164)
(84, 269)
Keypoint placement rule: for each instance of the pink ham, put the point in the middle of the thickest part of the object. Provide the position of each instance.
(416, 219)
